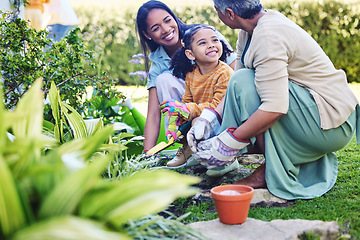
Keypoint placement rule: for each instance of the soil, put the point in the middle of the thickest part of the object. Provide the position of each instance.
(178, 207)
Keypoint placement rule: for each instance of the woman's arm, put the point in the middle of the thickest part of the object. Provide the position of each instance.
(219, 108)
(258, 123)
(233, 64)
(153, 119)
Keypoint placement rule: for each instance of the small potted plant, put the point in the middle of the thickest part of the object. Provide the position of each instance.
(232, 202)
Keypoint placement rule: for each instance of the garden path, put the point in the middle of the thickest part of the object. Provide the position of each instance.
(253, 228)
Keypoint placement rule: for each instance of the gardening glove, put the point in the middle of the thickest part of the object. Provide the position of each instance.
(220, 150)
(171, 131)
(207, 126)
(174, 107)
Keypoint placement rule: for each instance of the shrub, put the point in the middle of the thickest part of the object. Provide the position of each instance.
(26, 54)
(333, 24)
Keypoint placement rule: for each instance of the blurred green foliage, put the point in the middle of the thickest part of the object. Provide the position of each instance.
(333, 24)
(82, 186)
(27, 54)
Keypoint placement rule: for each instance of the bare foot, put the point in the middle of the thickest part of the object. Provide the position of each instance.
(255, 180)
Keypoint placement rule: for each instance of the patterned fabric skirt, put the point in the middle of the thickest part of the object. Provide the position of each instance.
(299, 155)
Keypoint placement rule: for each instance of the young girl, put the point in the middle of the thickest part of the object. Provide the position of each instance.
(200, 62)
(160, 33)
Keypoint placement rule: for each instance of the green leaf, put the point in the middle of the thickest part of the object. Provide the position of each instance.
(112, 147)
(76, 122)
(68, 228)
(143, 193)
(93, 125)
(12, 216)
(29, 113)
(25, 122)
(89, 145)
(66, 196)
(55, 101)
(126, 135)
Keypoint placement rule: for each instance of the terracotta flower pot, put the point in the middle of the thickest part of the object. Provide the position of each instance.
(232, 202)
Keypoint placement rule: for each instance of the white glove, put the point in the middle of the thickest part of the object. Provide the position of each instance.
(207, 126)
(220, 150)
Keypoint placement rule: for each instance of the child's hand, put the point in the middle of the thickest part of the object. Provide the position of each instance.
(173, 107)
(180, 121)
(171, 131)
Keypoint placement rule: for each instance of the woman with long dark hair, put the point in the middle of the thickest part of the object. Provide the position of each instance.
(160, 33)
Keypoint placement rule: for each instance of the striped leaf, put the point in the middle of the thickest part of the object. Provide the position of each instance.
(68, 228)
(143, 193)
(54, 102)
(75, 120)
(66, 196)
(12, 216)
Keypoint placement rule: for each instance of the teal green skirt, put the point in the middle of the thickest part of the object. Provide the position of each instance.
(299, 155)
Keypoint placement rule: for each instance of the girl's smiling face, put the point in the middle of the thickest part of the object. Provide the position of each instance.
(206, 47)
(163, 29)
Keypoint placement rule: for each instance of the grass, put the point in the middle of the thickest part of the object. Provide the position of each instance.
(340, 204)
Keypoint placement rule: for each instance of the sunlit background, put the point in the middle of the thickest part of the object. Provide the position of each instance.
(115, 14)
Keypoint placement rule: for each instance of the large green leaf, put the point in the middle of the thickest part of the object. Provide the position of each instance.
(29, 113)
(12, 216)
(50, 171)
(143, 193)
(75, 120)
(89, 145)
(55, 101)
(66, 196)
(25, 123)
(93, 125)
(68, 228)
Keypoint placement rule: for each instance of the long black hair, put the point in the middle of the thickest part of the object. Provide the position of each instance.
(141, 26)
(180, 64)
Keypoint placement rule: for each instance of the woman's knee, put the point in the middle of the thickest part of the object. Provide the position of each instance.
(242, 82)
(164, 79)
(169, 87)
(243, 79)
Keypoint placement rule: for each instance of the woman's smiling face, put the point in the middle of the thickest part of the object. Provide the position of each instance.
(162, 28)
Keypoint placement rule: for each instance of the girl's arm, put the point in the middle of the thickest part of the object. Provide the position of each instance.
(153, 119)
(187, 97)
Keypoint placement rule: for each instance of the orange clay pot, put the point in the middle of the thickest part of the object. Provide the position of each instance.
(232, 209)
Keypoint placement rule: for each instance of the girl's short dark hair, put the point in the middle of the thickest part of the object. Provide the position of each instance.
(180, 64)
(141, 25)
